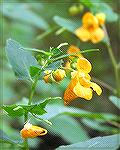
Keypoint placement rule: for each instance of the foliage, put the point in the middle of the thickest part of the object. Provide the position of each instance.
(106, 142)
(44, 32)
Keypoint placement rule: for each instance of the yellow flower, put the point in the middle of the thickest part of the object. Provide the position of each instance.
(90, 29)
(58, 75)
(80, 85)
(30, 131)
(101, 18)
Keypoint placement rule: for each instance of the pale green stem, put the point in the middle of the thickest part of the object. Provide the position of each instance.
(59, 31)
(113, 60)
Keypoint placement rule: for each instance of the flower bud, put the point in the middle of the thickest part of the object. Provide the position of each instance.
(48, 78)
(31, 131)
(73, 10)
(76, 9)
(58, 75)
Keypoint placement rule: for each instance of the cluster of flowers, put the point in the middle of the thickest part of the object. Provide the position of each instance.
(90, 29)
(80, 85)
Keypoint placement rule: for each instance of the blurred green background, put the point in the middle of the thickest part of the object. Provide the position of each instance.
(32, 23)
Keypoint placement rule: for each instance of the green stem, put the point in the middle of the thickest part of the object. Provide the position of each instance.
(33, 89)
(25, 142)
(113, 60)
(59, 31)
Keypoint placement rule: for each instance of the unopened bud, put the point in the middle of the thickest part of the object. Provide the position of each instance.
(76, 9)
(58, 75)
(73, 10)
(48, 78)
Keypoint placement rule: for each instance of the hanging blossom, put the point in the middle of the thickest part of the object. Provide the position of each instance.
(81, 84)
(90, 29)
(30, 131)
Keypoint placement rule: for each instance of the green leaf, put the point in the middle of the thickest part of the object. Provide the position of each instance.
(13, 110)
(19, 110)
(16, 11)
(106, 142)
(70, 25)
(56, 52)
(115, 100)
(19, 59)
(63, 110)
(69, 129)
(34, 70)
(99, 126)
(39, 109)
(4, 138)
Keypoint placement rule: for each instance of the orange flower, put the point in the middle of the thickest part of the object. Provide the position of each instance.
(30, 131)
(90, 29)
(80, 85)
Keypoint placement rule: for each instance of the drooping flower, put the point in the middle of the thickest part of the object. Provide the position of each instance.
(30, 131)
(81, 84)
(90, 29)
